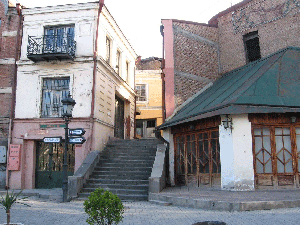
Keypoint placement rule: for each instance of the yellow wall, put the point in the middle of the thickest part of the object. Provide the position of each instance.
(152, 108)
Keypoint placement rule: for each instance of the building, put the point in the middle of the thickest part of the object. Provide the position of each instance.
(232, 108)
(75, 49)
(10, 33)
(148, 86)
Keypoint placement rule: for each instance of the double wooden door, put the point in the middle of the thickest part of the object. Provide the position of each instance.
(197, 158)
(276, 155)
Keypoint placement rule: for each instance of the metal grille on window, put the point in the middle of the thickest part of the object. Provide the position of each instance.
(54, 90)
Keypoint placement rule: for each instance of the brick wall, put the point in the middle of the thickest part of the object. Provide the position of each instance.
(152, 63)
(196, 60)
(276, 21)
(8, 39)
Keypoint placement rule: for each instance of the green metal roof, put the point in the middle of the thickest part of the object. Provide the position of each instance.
(268, 85)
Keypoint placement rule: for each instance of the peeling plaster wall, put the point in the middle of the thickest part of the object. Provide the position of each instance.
(168, 136)
(29, 86)
(237, 171)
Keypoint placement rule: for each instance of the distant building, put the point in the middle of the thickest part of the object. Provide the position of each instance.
(232, 87)
(61, 55)
(10, 42)
(148, 87)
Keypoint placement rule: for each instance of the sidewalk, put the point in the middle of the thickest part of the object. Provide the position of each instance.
(46, 212)
(216, 199)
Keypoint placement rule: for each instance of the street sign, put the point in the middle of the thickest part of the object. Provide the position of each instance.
(76, 132)
(52, 139)
(76, 140)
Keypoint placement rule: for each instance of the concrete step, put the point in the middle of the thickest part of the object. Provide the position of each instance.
(118, 191)
(162, 203)
(126, 164)
(124, 169)
(121, 177)
(118, 182)
(84, 196)
(144, 187)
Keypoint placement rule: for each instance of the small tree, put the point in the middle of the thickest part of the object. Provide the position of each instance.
(8, 201)
(103, 208)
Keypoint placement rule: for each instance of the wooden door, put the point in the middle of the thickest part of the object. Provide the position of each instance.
(119, 118)
(197, 158)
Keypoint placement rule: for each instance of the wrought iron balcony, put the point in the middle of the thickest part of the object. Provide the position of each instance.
(51, 47)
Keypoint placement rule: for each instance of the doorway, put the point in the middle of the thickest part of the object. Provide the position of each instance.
(49, 164)
(197, 158)
(119, 118)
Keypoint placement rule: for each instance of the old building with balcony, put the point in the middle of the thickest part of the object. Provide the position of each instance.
(75, 49)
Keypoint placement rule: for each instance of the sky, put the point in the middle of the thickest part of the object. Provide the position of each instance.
(140, 20)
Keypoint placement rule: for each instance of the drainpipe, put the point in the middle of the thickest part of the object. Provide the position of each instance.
(163, 75)
(14, 84)
(101, 3)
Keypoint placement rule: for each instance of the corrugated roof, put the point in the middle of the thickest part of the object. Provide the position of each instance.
(271, 84)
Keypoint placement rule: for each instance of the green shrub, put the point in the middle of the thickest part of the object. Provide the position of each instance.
(103, 208)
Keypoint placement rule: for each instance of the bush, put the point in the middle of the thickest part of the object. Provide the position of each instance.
(103, 208)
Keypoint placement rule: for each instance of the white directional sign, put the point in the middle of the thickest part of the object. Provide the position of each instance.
(76, 140)
(52, 139)
(77, 132)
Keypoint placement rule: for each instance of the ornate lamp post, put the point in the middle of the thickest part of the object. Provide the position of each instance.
(68, 105)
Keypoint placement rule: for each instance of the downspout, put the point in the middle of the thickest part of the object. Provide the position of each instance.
(163, 75)
(14, 84)
(101, 3)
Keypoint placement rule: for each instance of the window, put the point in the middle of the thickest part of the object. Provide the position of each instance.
(141, 92)
(118, 62)
(251, 42)
(108, 49)
(127, 70)
(58, 39)
(151, 123)
(53, 91)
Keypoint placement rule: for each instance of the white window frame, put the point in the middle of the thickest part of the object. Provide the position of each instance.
(146, 92)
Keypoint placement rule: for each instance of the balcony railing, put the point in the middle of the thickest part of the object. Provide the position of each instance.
(51, 47)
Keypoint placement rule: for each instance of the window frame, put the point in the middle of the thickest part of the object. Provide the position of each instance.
(108, 49)
(118, 61)
(251, 36)
(42, 79)
(146, 92)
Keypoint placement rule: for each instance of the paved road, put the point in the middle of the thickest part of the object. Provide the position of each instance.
(143, 213)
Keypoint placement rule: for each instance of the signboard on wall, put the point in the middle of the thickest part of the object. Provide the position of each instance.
(14, 157)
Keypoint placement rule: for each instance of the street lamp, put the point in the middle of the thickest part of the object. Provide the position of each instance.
(68, 105)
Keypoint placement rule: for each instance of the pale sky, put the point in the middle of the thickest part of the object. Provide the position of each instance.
(140, 20)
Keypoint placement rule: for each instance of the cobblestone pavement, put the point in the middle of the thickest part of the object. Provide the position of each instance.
(44, 212)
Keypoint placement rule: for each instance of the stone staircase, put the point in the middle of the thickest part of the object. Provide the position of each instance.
(124, 169)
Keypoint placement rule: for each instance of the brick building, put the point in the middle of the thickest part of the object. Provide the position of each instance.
(10, 42)
(197, 54)
(231, 97)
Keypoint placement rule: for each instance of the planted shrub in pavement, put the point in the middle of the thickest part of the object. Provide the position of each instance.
(103, 208)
